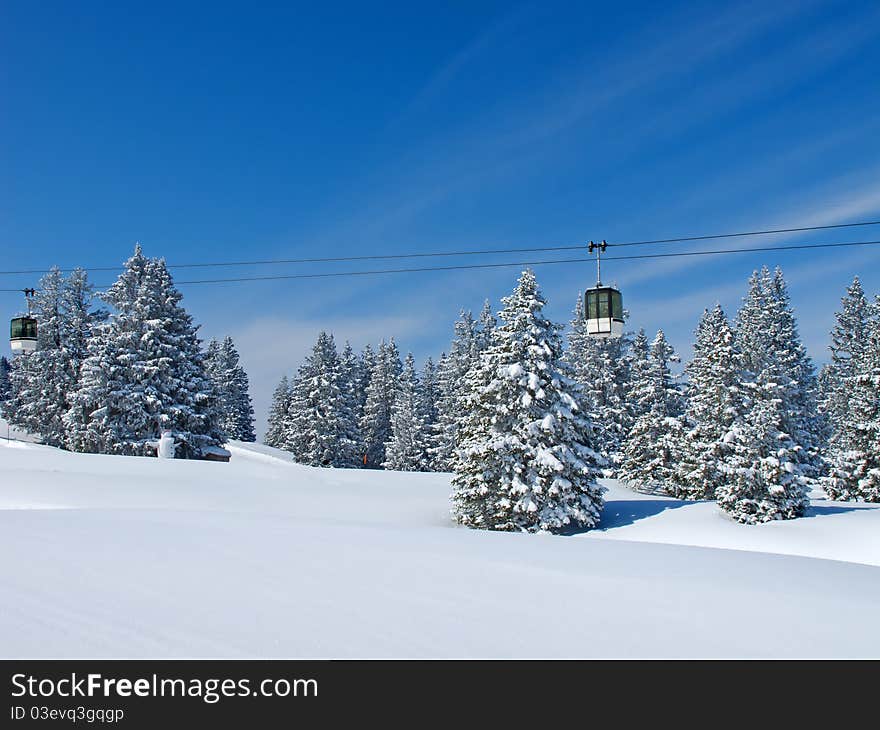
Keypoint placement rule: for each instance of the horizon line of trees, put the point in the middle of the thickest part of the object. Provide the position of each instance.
(748, 423)
(372, 409)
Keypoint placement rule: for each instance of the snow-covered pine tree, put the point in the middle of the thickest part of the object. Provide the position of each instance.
(525, 462)
(214, 369)
(233, 401)
(354, 383)
(79, 320)
(714, 408)
(244, 409)
(772, 451)
(407, 449)
(363, 374)
(4, 382)
(144, 372)
(44, 382)
(639, 389)
(322, 424)
(350, 365)
(762, 482)
(39, 380)
(429, 394)
(854, 456)
(651, 450)
(375, 425)
(486, 324)
(437, 451)
(849, 338)
(772, 352)
(462, 357)
(277, 411)
(601, 367)
(80, 317)
(811, 427)
(294, 426)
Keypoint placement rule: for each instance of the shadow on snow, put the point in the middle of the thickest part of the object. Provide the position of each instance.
(622, 512)
(820, 510)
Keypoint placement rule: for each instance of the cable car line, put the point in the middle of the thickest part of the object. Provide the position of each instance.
(747, 233)
(484, 252)
(603, 305)
(371, 272)
(527, 263)
(329, 259)
(579, 260)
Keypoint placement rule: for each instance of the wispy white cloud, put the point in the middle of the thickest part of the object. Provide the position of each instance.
(508, 138)
(665, 47)
(849, 198)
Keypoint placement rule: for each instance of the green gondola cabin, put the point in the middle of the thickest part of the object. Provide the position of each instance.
(23, 335)
(603, 307)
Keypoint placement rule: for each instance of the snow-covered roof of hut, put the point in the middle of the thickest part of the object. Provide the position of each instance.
(216, 451)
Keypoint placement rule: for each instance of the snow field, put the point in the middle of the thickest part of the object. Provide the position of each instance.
(129, 557)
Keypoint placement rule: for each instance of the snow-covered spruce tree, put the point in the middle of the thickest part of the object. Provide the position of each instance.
(524, 462)
(40, 381)
(429, 390)
(407, 449)
(214, 368)
(243, 421)
(638, 389)
(322, 427)
(429, 397)
(438, 458)
(770, 459)
(375, 423)
(350, 366)
(761, 477)
(652, 447)
(233, 401)
(366, 363)
(4, 382)
(849, 338)
(79, 320)
(80, 317)
(772, 351)
(293, 425)
(812, 428)
(144, 372)
(486, 324)
(43, 382)
(463, 355)
(714, 408)
(471, 337)
(601, 367)
(353, 381)
(277, 411)
(854, 457)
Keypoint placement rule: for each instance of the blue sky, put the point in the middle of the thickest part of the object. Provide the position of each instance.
(249, 130)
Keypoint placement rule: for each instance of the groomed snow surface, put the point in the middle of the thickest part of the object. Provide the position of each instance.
(104, 556)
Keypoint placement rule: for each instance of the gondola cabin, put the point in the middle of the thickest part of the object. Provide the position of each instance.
(23, 335)
(603, 307)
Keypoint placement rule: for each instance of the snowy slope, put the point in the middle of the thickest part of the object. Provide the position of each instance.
(124, 556)
(847, 531)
